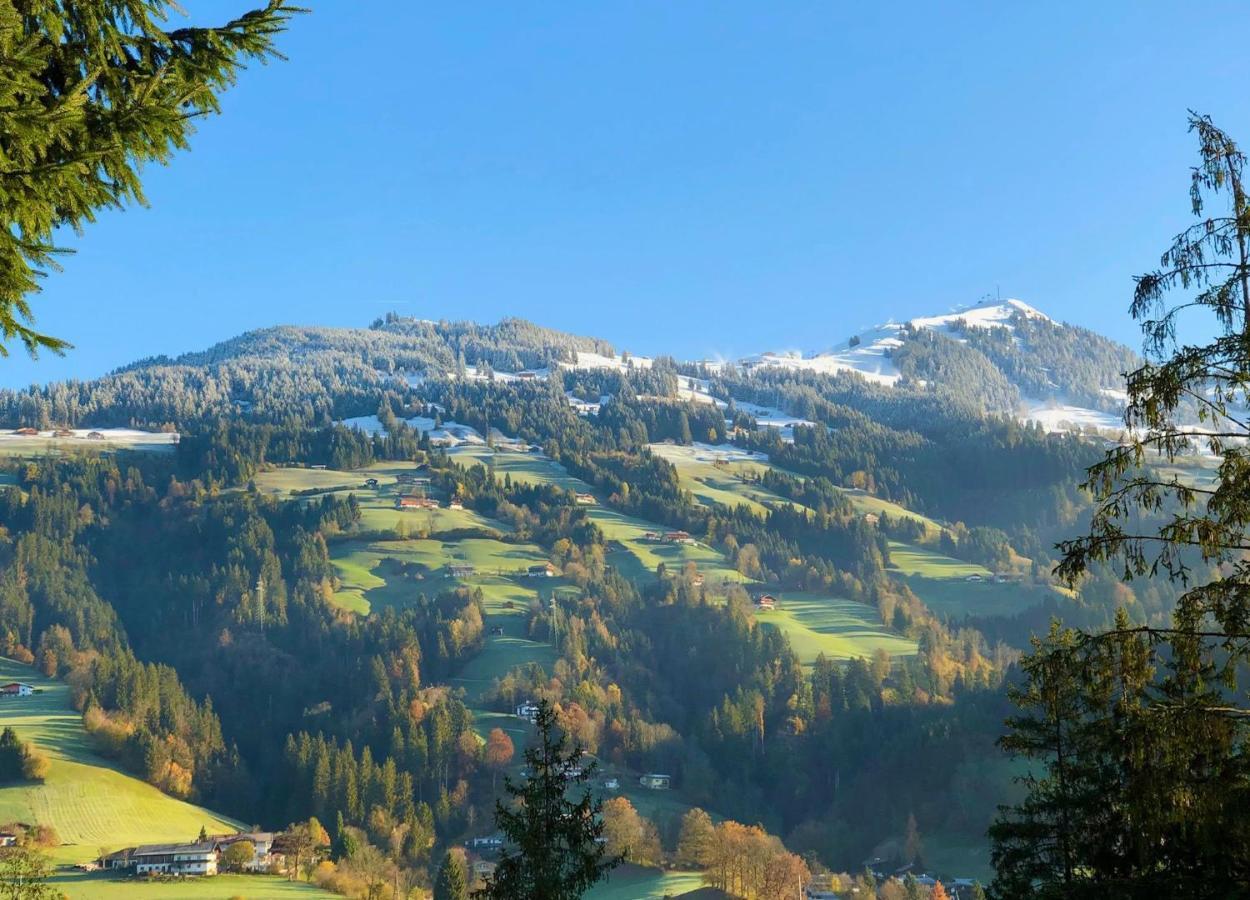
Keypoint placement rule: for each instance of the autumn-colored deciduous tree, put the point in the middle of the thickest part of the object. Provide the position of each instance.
(498, 754)
(629, 835)
(696, 840)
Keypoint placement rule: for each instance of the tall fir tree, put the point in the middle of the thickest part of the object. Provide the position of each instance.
(554, 849)
(452, 883)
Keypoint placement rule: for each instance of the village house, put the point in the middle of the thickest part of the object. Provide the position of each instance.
(262, 844)
(527, 711)
(199, 858)
(8, 839)
(974, 578)
(650, 536)
(457, 503)
(408, 502)
(678, 537)
(543, 570)
(655, 782)
(371, 482)
(460, 570)
(484, 869)
(485, 842)
(318, 466)
(27, 432)
(63, 433)
(16, 689)
(585, 499)
(766, 602)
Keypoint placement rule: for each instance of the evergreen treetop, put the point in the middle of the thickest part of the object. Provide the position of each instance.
(90, 90)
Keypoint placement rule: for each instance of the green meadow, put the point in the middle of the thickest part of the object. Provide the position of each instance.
(867, 503)
(83, 886)
(956, 598)
(726, 484)
(89, 801)
(911, 559)
(636, 883)
(377, 505)
(370, 574)
(838, 628)
(643, 556)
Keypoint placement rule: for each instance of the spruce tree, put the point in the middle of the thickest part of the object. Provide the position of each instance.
(451, 883)
(553, 849)
(1148, 798)
(90, 91)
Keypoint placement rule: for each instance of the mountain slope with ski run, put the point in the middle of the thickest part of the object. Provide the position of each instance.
(873, 356)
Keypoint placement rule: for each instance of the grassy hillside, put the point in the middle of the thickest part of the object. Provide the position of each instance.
(644, 555)
(81, 886)
(377, 505)
(636, 883)
(840, 629)
(90, 802)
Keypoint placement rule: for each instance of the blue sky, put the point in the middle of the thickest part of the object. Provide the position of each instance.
(695, 178)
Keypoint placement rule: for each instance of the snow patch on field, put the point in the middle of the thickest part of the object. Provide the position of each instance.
(451, 433)
(1056, 417)
(697, 390)
(125, 437)
(702, 452)
(587, 360)
(771, 417)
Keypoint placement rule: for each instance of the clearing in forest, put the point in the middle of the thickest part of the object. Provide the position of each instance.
(838, 628)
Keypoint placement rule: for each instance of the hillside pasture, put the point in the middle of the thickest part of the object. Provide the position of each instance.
(370, 571)
(912, 559)
(630, 882)
(87, 799)
(716, 481)
(100, 886)
(956, 598)
(533, 468)
(377, 505)
(836, 627)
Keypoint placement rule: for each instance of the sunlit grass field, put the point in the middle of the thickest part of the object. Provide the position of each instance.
(636, 883)
(368, 580)
(838, 628)
(81, 886)
(535, 469)
(90, 802)
(910, 559)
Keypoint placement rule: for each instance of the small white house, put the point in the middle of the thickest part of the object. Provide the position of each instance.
(16, 689)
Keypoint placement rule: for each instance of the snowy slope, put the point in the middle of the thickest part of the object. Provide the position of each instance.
(869, 353)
